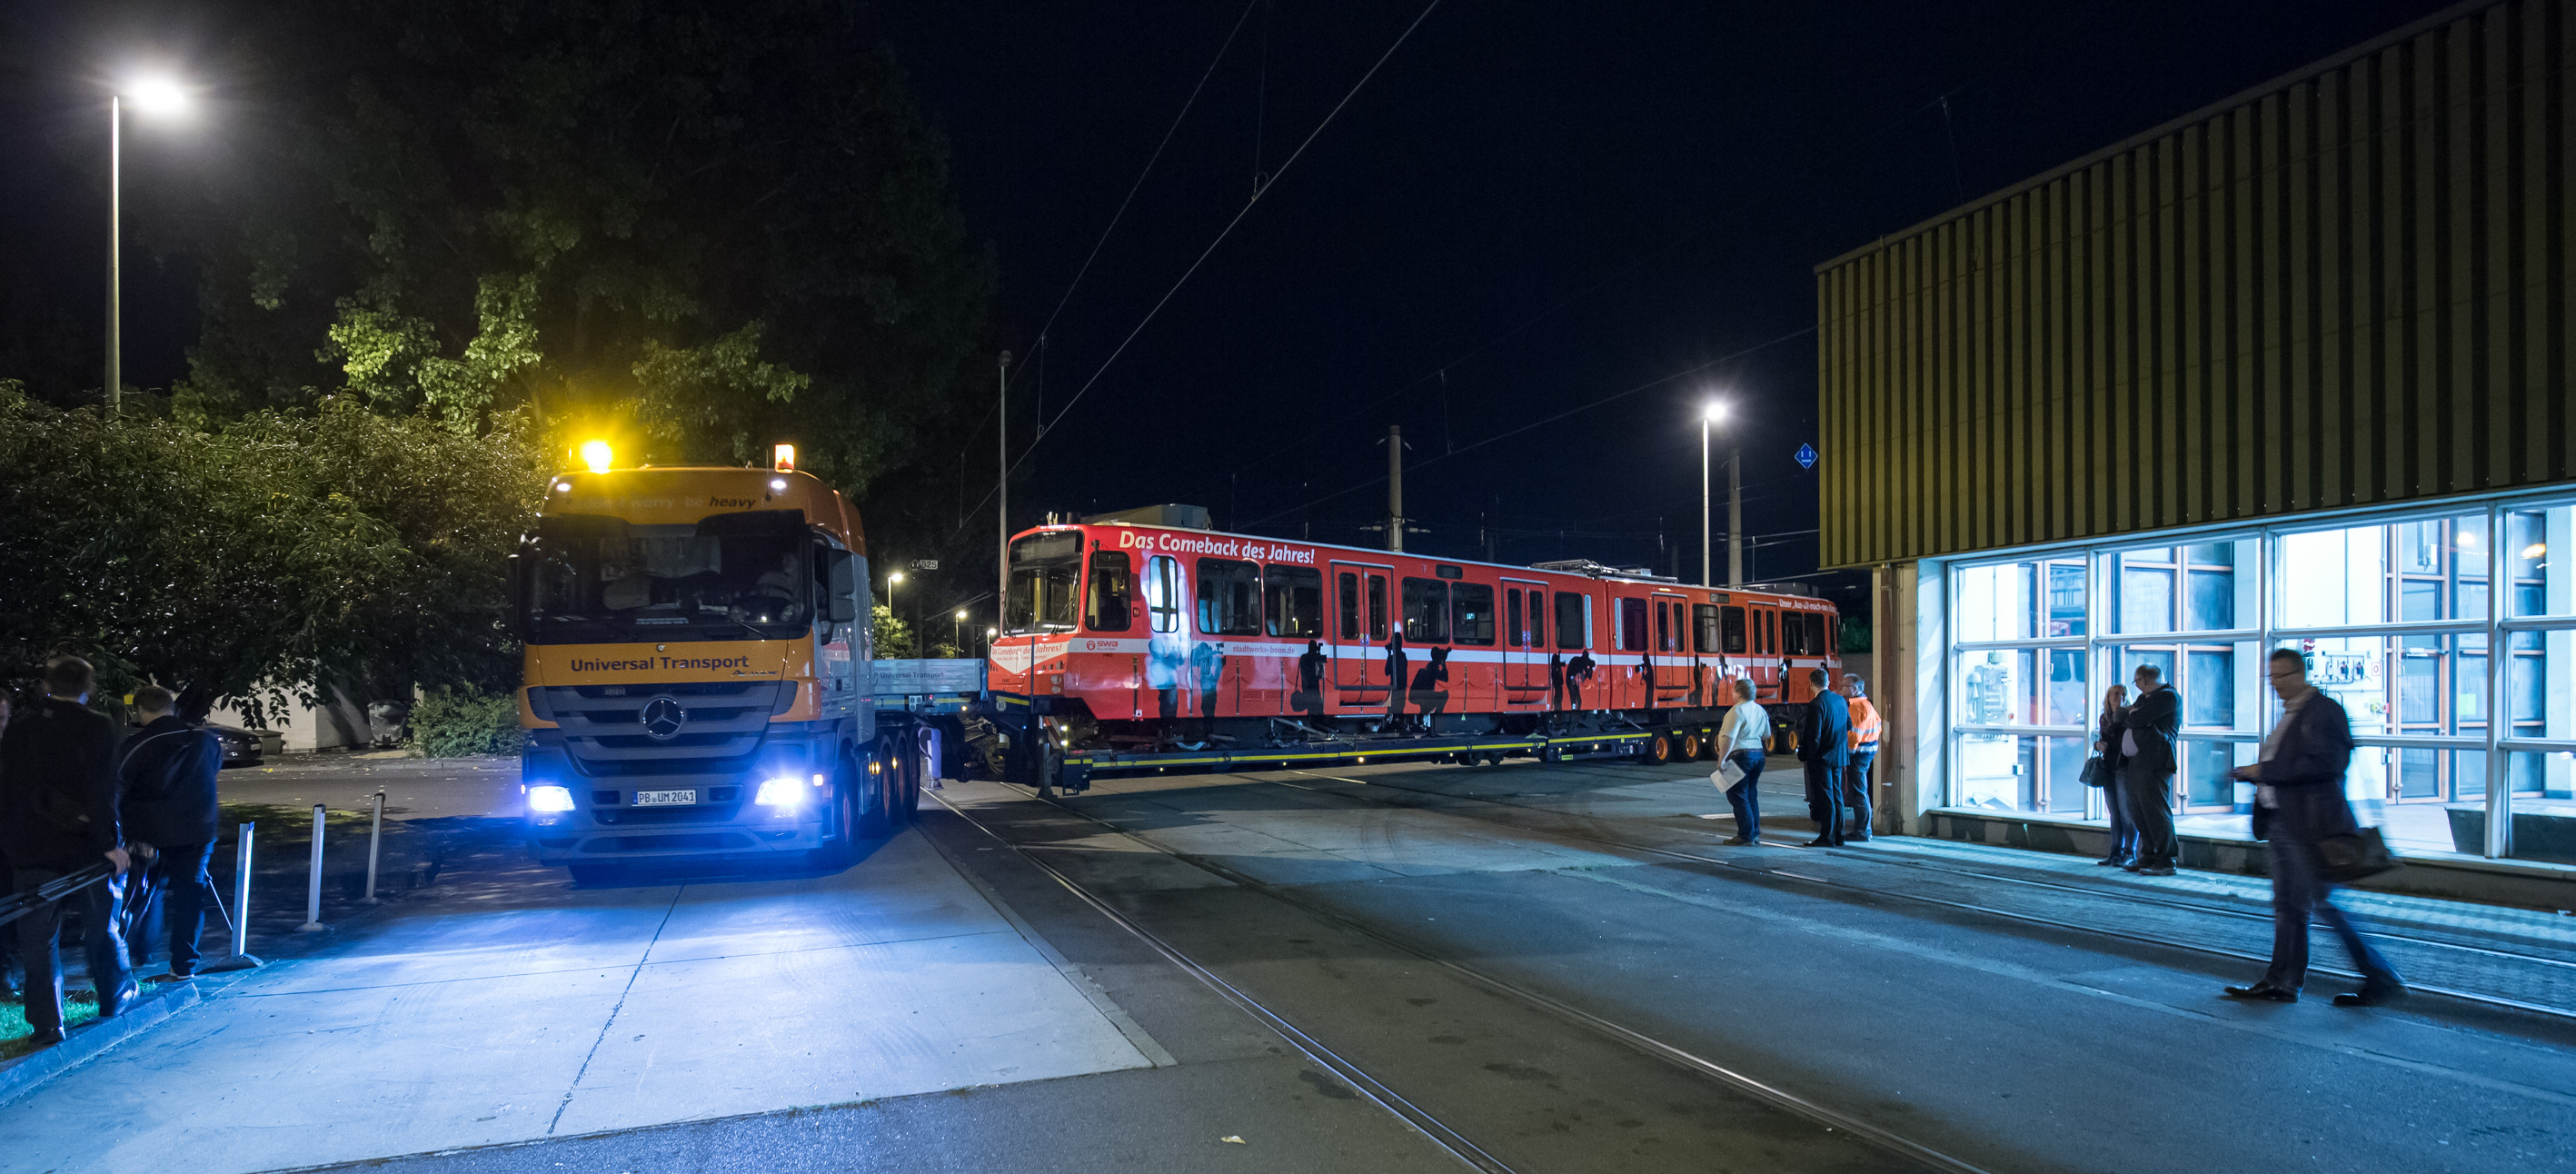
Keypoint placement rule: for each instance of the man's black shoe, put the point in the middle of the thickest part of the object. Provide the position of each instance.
(46, 1037)
(1855, 839)
(2154, 870)
(1821, 842)
(2372, 994)
(2111, 862)
(2264, 992)
(1739, 840)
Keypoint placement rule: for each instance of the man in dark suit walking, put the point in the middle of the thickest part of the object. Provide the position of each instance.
(165, 778)
(1824, 745)
(2299, 803)
(58, 814)
(2147, 734)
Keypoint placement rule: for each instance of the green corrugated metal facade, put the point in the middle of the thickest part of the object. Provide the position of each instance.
(2349, 286)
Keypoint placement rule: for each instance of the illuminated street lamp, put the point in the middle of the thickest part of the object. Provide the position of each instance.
(1709, 417)
(957, 631)
(157, 97)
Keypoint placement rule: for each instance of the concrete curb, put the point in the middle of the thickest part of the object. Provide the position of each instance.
(22, 1075)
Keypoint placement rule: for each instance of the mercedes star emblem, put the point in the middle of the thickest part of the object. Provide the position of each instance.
(662, 718)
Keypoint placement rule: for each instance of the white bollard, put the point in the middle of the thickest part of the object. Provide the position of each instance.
(241, 959)
(313, 882)
(375, 842)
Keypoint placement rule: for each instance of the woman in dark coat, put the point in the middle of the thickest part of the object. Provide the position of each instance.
(2106, 743)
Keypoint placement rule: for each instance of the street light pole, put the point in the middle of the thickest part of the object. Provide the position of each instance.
(1735, 516)
(1002, 513)
(115, 259)
(156, 96)
(1709, 418)
(892, 578)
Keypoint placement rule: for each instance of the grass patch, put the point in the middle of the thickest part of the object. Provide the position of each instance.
(79, 1007)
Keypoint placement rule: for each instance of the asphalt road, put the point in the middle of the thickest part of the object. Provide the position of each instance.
(1492, 954)
(415, 788)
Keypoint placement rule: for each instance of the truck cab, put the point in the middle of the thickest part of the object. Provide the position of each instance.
(696, 672)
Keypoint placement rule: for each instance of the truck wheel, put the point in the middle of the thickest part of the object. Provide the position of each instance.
(1659, 749)
(1690, 748)
(840, 847)
(873, 819)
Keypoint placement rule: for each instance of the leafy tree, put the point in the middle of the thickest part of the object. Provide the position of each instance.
(702, 225)
(893, 636)
(278, 554)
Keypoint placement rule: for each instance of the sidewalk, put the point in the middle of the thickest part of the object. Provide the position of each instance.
(508, 1005)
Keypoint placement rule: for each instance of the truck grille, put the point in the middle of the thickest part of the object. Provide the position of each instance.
(604, 733)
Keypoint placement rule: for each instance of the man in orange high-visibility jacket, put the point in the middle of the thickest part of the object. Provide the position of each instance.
(1864, 755)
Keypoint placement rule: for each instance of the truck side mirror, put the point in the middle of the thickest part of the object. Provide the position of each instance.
(844, 607)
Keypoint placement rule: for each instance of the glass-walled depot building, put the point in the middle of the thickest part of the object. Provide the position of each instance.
(2289, 371)
(2448, 634)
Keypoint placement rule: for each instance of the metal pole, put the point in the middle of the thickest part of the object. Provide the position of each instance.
(375, 843)
(1395, 487)
(313, 880)
(240, 913)
(115, 262)
(1002, 514)
(1704, 502)
(1735, 517)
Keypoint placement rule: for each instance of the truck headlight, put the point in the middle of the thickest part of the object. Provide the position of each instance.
(780, 792)
(549, 799)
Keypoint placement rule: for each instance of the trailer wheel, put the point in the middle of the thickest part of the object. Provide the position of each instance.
(1691, 747)
(1659, 749)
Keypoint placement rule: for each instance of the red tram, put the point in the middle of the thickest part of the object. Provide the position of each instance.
(1134, 638)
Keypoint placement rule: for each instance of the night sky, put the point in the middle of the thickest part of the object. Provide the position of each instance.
(1529, 209)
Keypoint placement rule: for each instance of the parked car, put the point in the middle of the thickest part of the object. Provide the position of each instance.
(241, 747)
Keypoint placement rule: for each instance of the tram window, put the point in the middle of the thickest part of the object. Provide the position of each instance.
(1793, 640)
(1163, 592)
(1296, 601)
(1426, 611)
(1377, 607)
(1771, 632)
(1704, 628)
(1668, 625)
(1730, 627)
(1816, 645)
(1632, 625)
(1229, 597)
(1350, 587)
(1040, 594)
(1536, 633)
(1573, 620)
(1106, 610)
(1471, 608)
(1513, 634)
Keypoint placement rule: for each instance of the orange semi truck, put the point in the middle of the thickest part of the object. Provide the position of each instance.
(697, 671)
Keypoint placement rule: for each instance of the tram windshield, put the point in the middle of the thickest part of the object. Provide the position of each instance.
(1046, 570)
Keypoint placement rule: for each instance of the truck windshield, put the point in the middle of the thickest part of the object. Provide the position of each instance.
(1045, 569)
(597, 579)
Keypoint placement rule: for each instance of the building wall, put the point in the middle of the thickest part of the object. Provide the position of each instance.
(2344, 288)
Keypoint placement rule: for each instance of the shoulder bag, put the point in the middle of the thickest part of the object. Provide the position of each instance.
(2343, 859)
(2093, 772)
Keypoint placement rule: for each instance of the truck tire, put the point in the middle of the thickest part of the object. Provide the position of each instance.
(840, 824)
(873, 819)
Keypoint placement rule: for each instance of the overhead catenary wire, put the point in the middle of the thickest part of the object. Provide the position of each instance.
(1229, 228)
(1613, 397)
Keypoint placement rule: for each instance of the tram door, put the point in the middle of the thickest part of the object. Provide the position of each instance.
(1524, 639)
(1359, 629)
(1672, 647)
